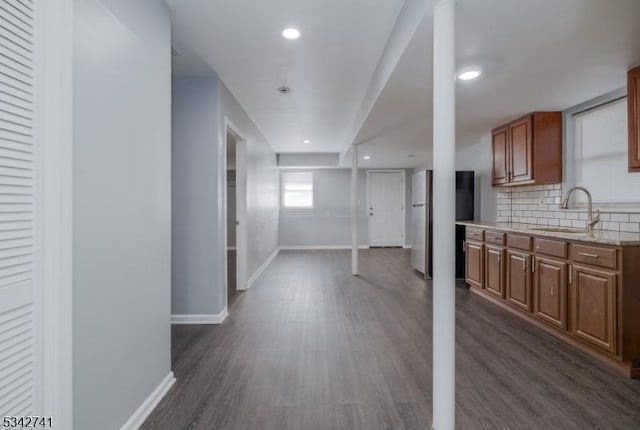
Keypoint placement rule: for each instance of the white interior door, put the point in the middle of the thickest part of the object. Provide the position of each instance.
(20, 334)
(386, 206)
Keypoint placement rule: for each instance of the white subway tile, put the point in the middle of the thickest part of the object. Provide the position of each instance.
(578, 224)
(633, 227)
(620, 217)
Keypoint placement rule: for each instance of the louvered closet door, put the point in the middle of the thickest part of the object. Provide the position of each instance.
(17, 319)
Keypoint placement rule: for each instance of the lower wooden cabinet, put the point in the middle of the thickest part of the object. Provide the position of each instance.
(585, 293)
(494, 270)
(550, 291)
(518, 291)
(593, 307)
(474, 263)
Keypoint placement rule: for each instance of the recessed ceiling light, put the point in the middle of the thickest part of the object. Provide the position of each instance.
(470, 73)
(367, 157)
(306, 141)
(291, 33)
(284, 89)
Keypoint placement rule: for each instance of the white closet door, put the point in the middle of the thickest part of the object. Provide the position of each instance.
(18, 334)
(386, 208)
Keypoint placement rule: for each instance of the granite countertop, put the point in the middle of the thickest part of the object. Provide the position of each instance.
(599, 236)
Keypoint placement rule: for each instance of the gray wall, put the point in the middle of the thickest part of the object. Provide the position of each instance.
(263, 184)
(195, 205)
(329, 222)
(199, 109)
(478, 158)
(122, 208)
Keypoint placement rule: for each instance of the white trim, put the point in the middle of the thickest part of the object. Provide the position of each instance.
(200, 318)
(261, 269)
(57, 198)
(404, 201)
(318, 247)
(406, 246)
(149, 404)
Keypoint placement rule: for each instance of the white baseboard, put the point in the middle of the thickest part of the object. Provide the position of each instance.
(406, 246)
(319, 247)
(201, 318)
(150, 403)
(256, 275)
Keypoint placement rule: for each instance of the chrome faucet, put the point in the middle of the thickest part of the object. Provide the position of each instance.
(592, 221)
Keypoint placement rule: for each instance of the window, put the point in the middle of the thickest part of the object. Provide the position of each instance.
(601, 153)
(297, 190)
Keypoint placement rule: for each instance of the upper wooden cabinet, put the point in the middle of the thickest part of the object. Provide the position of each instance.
(500, 150)
(633, 99)
(528, 150)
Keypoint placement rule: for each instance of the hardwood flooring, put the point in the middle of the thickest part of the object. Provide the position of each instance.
(311, 347)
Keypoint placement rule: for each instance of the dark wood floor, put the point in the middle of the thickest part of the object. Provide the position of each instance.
(311, 347)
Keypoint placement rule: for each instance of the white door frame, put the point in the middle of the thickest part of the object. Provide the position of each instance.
(241, 208)
(54, 228)
(404, 200)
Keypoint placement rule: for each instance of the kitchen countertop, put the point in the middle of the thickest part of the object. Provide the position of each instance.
(599, 236)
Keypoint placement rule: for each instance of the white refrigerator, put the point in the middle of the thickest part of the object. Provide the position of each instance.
(420, 220)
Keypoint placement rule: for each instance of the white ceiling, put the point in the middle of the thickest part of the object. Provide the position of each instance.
(328, 69)
(536, 55)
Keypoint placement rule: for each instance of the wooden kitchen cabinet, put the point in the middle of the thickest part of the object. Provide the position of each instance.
(633, 100)
(499, 145)
(518, 291)
(521, 157)
(474, 263)
(584, 292)
(593, 307)
(528, 150)
(494, 270)
(550, 291)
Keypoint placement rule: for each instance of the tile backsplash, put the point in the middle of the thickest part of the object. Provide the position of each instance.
(540, 205)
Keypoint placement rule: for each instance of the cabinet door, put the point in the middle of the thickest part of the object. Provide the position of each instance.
(593, 307)
(500, 148)
(633, 100)
(550, 291)
(494, 270)
(519, 280)
(474, 264)
(521, 150)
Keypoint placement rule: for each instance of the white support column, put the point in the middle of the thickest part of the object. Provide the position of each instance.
(354, 210)
(444, 118)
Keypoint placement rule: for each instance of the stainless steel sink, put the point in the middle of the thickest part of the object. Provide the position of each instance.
(560, 230)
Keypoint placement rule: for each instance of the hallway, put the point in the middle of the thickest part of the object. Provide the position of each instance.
(311, 347)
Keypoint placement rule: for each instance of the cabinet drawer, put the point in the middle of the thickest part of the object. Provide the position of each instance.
(475, 234)
(494, 237)
(520, 242)
(553, 248)
(596, 256)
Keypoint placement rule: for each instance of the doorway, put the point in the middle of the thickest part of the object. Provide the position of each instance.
(235, 177)
(386, 207)
(232, 287)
